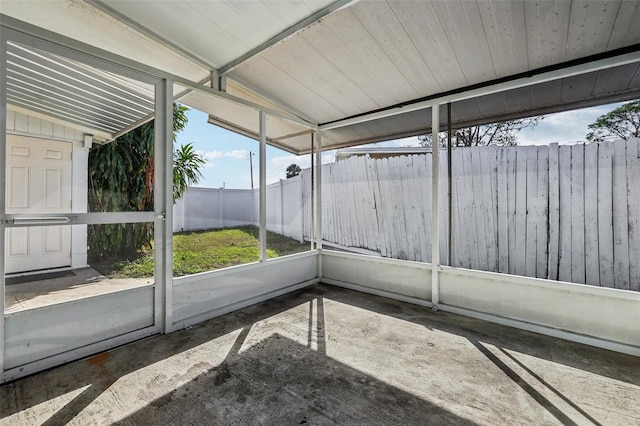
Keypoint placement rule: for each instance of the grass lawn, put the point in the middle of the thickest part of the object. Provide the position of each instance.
(202, 251)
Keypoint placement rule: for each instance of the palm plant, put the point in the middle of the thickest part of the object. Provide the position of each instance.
(121, 179)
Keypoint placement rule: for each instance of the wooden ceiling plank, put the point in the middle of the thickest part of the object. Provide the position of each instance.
(590, 27)
(504, 25)
(420, 22)
(465, 33)
(547, 26)
(626, 29)
(384, 26)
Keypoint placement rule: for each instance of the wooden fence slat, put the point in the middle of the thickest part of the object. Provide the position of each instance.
(531, 211)
(502, 217)
(633, 190)
(460, 249)
(542, 220)
(577, 214)
(444, 210)
(392, 189)
(374, 237)
(421, 203)
(415, 223)
(564, 265)
(372, 179)
(385, 188)
(591, 251)
(367, 203)
(403, 209)
(487, 157)
(620, 217)
(494, 202)
(478, 209)
(470, 237)
(554, 213)
(339, 187)
(358, 196)
(411, 189)
(605, 213)
(511, 208)
(521, 212)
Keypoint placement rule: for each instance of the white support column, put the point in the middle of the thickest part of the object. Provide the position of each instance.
(314, 201)
(262, 160)
(318, 192)
(3, 149)
(435, 229)
(163, 204)
(80, 176)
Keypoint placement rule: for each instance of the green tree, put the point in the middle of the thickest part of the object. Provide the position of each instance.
(186, 169)
(503, 133)
(121, 179)
(621, 123)
(293, 170)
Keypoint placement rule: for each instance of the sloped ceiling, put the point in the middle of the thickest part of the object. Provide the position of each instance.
(326, 61)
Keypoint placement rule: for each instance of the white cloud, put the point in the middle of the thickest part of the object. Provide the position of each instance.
(238, 154)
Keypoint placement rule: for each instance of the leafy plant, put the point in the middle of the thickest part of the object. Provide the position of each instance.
(121, 179)
(186, 169)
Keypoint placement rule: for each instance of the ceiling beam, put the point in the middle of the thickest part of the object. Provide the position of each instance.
(310, 20)
(272, 100)
(573, 68)
(105, 8)
(39, 38)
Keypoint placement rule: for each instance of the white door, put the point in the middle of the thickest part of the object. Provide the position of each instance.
(38, 182)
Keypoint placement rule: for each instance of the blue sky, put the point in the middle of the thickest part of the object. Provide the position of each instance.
(227, 153)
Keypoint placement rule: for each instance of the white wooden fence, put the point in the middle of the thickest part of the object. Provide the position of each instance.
(569, 213)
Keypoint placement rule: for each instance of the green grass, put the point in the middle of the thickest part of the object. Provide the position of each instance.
(202, 251)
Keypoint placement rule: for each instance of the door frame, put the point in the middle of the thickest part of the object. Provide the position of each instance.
(161, 217)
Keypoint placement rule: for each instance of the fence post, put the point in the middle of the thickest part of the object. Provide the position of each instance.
(281, 207)
(301, 207)
(220, 208)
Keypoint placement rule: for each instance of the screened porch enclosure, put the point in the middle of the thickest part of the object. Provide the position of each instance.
(312, 77)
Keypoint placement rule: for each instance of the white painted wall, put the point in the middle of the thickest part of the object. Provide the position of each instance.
(202, 296)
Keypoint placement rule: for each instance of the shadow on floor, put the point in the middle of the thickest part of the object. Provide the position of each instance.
(278, 380)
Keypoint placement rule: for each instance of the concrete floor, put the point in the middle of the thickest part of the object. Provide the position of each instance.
(326, 355)
(84, 282)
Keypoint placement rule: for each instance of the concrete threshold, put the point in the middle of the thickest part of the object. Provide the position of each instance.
(326, 355)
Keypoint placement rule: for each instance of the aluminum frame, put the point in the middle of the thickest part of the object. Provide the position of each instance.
(163, 155)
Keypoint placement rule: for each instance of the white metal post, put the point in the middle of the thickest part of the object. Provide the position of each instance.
(163, 204)
(262, 159)
(312, 223)
(435, 229)
(319, 190)
(3, 149)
